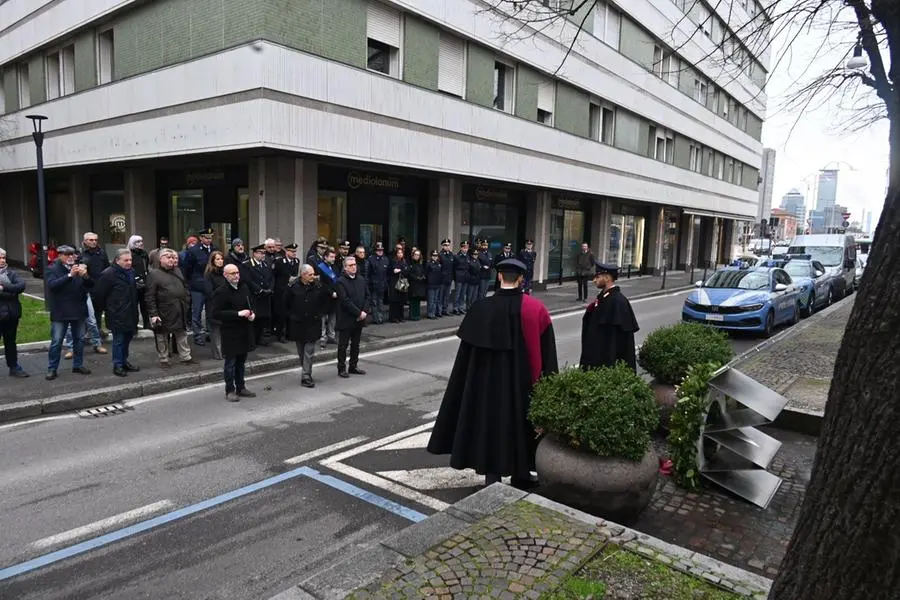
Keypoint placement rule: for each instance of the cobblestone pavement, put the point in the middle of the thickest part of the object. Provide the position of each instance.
(715, 523)
(522, 550)
(800, 366)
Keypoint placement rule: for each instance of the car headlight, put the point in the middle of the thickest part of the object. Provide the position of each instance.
(752, 307)
(689, 302)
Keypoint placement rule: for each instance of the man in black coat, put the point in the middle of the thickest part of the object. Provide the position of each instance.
(461, 275)
(194, 267)
(304, 302)
(528, 256)
(11, 285)
(445, 256)
(505, 254)
(232, 305)
(260, 278)
(285, 267)
(608, 325)
(116, 294)
(67, 287)
(377, 280)
(353, 297)
(506, 344)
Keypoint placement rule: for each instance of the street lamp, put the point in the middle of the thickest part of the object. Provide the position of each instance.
(857, 61)
(38, 135)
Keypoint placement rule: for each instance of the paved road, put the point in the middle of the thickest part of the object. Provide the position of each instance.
(64, 481)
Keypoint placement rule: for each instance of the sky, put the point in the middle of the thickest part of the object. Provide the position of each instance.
(806, 141)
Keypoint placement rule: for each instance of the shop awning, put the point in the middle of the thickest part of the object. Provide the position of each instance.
(706, 213)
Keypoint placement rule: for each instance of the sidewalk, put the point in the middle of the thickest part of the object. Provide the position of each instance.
(33, 396)
(504, 543)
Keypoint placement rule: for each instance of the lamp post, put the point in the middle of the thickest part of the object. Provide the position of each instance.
(38, 135)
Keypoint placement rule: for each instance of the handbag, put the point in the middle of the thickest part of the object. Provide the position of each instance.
(402, 285)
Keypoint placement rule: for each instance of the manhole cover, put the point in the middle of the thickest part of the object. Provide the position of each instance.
(102, 411)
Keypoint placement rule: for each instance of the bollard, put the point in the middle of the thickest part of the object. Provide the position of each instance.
(629, 273)
(692, 273)
(704, 273)
(665, 268)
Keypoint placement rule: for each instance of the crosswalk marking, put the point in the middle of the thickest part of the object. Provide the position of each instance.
(386, 484)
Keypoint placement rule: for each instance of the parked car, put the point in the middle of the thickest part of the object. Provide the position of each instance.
(745, 298)
(836, 252)
(816, 286)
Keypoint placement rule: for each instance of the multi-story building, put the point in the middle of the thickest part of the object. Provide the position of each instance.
(766, 184)
(367, 120)
(826, 196)
(794, 203)
(783, 225)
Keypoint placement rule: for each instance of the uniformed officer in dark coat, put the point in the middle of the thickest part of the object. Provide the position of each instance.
(461, 276)
(260, 278)
(285, 267)
(506, 344)
(505, 254)
(608, 325)
(528, 256)
(445, 256)
(377, 280)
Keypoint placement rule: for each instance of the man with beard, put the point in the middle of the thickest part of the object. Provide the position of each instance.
(507, 344)
(237, 255)
(608, 325)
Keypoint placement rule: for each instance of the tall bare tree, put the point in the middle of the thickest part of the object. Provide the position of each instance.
(847, 541)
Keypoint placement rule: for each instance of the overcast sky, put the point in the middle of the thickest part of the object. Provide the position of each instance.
(810, 140)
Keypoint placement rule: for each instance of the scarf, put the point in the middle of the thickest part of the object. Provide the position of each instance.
(127, 273)
(326, 268)
(4, 277)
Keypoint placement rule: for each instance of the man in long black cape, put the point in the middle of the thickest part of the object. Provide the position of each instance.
(507, 344)
(608, 325)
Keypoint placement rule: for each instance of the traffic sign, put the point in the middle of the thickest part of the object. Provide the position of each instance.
(846, 223)
(846, 216)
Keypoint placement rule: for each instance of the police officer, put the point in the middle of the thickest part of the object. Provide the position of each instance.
(196, 258)
(461, 275)
(379, 264)
(528, 256)
(343, 252)
(445, 256)
(260, 279)
(505, 254)
(487, 263)
(285, 268)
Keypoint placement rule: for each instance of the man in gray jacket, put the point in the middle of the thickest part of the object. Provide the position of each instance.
(584, 270)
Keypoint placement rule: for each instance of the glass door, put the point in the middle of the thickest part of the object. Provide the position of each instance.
(185, 214)
(331, 217)
(555, 251)
(573, 234)
(111, 221)
(403, 220)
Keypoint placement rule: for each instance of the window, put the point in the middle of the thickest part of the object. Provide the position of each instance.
(105, 53)
(451, 59)
(658, 61)
(383, 32)
(720, 166)
(607, 24)
(662, 145)
(701, 88)
(709, 162)
(695, 158)
(2, 99)
(24, 85)
(672, 69)
(743, 119)
(60, 71)
(713, 100)
(607, 124)
(503, 86)
(595, 119)
(545, 102)
(739, 173)
(729, 170)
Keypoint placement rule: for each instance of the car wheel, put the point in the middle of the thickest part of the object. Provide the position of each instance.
(796, 317)
(770, 324)
(830, 297)
(810, 305)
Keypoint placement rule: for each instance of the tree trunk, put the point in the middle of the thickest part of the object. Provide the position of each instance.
(847, 541)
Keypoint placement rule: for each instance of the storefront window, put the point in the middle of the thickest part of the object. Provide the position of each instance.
(404, 219)
(110, 220)
(498, 223)
(566, 236)
(186, 214)
(626, 240)
(465, 224)
(332, 216)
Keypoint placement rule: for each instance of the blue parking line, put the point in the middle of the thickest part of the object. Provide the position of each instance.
(120, 534)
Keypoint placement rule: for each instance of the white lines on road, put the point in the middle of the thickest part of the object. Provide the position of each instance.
(390, 486)
(103, 524)
(435, 478)
(296, 460)
(419, 440)
(431, 415)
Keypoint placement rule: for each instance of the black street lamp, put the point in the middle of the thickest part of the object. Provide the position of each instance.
(38, 135)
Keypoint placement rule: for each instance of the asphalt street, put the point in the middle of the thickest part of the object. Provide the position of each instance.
(153, 502)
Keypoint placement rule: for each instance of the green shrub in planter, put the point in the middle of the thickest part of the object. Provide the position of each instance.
(669, 352)
(610, 412)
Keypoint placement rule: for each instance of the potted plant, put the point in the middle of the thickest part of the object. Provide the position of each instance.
(595, 454)
(669, 352)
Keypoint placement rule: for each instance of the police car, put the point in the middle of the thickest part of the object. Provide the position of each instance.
(745, 298)
(816, 285)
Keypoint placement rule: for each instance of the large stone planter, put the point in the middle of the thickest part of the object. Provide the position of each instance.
(611, 488)
(666, 399)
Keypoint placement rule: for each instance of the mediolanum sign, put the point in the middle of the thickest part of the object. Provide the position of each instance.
(356, 180)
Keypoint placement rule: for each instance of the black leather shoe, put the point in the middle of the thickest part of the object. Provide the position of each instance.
(51, 375)
(120, 371)
(245, 393)
(131, 367)
(307, 383)
(343, 374)
(81, 370)
(356, 371)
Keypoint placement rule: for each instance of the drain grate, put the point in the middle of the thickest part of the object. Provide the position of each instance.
(102, 411)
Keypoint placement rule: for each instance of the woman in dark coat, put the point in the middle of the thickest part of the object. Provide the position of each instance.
(140, 263)
(417, 285)
(11, 285)
(213, 280)
(232, 306)
(397, 298)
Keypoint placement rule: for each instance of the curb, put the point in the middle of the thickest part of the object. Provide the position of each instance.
(129, 391)
(371, 563)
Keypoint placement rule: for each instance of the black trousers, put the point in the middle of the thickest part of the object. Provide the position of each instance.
(348, 337)
(261, 328)
(8, 330)
(582, 286)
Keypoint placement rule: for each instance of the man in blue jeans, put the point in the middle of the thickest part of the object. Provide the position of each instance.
(194, 268)
(115, 294)
(67, 287)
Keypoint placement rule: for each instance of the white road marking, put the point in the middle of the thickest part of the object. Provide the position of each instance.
(430, 415)
(376, 444)
(420, 440)
(436, 478)
(103, 524)
(296, 460)
(385, 484)
(38, 420)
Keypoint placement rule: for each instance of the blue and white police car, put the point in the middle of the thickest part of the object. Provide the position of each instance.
(745, 298)
(816, 285)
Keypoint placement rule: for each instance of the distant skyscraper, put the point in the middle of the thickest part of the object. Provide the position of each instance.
(767, 183)
(794, 203)
(868, 223)
(827, 195)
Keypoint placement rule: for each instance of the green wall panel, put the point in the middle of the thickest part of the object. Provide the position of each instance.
(11, 88)
(85, 61)
(636, 44)
(37, 79)
(422, 44)
(344, 31)
(480, 75)
(682, 152)
(573, 110)
(527, 81)
(207, 19)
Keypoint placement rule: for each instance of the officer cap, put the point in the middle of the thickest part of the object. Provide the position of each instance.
(435, 253)
(529, 241)
(512, 265)
(445, 241)
(345, 244)
(260, 248)
(606, 269)
(207, 231)
(291, 247)
(507, 245)
(464, 243)
(379, 246)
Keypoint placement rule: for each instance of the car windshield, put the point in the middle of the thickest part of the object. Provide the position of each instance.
(797, 269)
(830, 256)
(740, 280)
